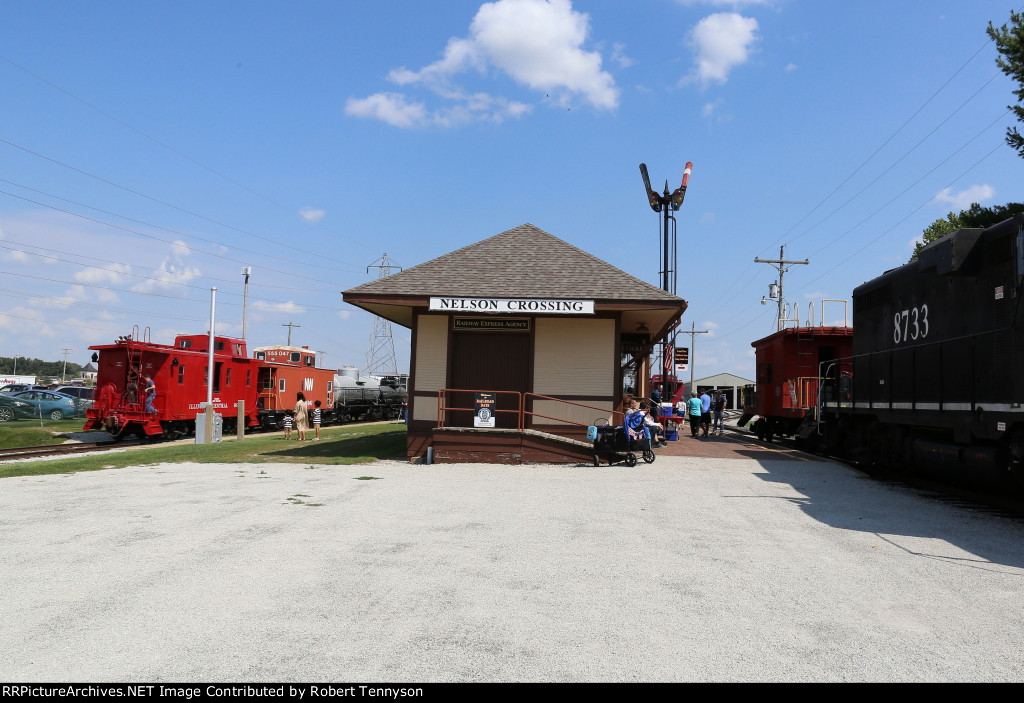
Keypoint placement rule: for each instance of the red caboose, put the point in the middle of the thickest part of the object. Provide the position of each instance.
(283, 373)
(180, 373)
(791, 365)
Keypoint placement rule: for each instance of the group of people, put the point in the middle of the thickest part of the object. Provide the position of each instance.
(301, 417)
(639, 424)
(704, 413)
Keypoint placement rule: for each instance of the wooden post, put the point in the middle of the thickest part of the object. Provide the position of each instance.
(241, 419)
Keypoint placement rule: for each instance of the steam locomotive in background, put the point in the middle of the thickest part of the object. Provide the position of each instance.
(932, 374)
(260, 389)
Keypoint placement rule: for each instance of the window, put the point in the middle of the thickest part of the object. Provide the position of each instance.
(310, 360)
(248, 377)
(295, 357)
(185, 344)
(227, 377)
(181, 374)
(280, 385)
(261, 355)
(218, 346)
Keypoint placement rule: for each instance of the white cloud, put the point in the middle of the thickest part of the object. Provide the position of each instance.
(391, 108)
(725, 3)
(790, 67)
(172, 273)
(722, 42)
(344, 314)
(110, 274)
(619, 55)
(536, 43)
(288, 307)
(311, 214)
(965, 198)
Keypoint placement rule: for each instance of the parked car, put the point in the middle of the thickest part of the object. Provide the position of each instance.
(83, 394)
(55, 406)
(18, 387)
(11, 408)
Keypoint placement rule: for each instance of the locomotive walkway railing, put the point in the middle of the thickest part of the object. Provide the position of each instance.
(521, 412)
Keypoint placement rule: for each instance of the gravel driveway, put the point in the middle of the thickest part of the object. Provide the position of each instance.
(691, 569)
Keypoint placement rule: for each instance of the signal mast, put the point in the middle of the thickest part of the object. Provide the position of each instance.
(666, 204)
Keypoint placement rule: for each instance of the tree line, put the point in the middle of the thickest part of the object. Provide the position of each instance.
(39, 368)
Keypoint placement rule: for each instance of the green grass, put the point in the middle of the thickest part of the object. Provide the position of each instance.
(349, 444)
(33, 433)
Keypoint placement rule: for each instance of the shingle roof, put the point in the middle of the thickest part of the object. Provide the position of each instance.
(523, 262)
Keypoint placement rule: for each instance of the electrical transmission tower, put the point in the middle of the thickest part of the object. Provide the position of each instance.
(380, 358)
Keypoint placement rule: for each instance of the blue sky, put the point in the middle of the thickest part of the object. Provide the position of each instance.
(150, 150)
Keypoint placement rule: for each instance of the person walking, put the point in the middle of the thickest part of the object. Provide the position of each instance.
(705, 413)
(301, 416)
(719, 409)
(693, 413)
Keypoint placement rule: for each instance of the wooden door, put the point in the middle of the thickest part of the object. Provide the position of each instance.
(489, 361)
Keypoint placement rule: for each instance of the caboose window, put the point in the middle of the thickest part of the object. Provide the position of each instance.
(186, 344)
(261, 355)
(227, 377)
(309, 360)
(181, 374)
(295, 357)
(248, 377)
(218, 346)
(280, 385)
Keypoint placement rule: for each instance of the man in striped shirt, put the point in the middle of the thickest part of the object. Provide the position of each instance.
(316, 419)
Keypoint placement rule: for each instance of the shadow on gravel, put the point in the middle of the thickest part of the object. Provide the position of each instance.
(844, 498)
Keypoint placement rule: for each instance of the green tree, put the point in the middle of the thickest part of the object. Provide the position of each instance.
(974, 216)
(1009, 41)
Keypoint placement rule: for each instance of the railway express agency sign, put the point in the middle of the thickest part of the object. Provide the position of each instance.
(513, 305)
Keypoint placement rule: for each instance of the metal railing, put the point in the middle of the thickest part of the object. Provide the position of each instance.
(526, 412)
(442, 408)
(521, 412)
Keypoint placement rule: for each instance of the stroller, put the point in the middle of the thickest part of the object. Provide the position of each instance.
(616, 445)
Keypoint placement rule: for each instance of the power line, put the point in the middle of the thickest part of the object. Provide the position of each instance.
(183, 155)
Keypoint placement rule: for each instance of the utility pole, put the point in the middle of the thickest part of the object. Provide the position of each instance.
(782, 265)
(693, 348)
(64, 371)
(246, 271)
(380, 358)
(666, 204)
(289, 326)
(322, 355)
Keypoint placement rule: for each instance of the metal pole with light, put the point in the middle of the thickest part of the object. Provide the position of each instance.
(208, 438)
(666, 204)
(246, 271)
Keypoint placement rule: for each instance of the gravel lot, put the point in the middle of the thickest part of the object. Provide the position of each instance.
(686, 570)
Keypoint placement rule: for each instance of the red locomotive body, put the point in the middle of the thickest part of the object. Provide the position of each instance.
(283, 373)
(789, 374)
(180, 374)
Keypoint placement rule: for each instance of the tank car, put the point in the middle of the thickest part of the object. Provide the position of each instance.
(180, 374)
(368, 399)
(789, 375)
(937, 374)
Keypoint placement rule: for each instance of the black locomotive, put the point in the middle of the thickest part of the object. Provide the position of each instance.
(938, 362)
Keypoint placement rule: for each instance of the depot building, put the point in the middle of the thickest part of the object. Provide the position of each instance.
(519, 343)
